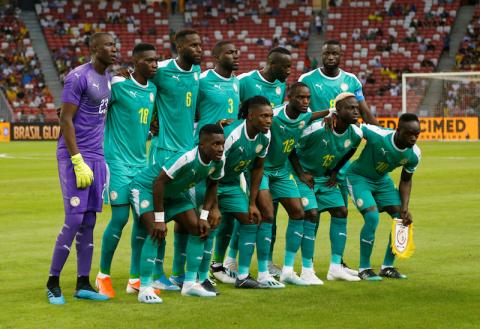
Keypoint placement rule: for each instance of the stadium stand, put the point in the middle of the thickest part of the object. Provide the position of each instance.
(383, 39)
(468, 56)
(20, 73)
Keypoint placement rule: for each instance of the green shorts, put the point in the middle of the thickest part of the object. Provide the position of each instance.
(119, 177)
(159, 155)
(231, 198)
(368, 193)
(142, 202)
(281, 184)
(321, 197)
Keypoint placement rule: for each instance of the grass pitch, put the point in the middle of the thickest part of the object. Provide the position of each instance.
(442, 290)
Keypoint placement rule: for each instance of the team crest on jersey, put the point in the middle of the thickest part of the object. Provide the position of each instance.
(301, 124)
(152, 97)
(347, 143)
(144, 204)
(359, 202)
(113, 195)
(305, 202)
(259, 148)
(211, 171)
(235, 87)
(278, 90)
(403, 162)
(195, 76)
(74, 201)
(344, 86)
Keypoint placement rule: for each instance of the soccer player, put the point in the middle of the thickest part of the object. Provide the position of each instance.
(270, 83)
(246, 147)
(373, 191)
(320, 153)
(81, 164)
(177, 82)
(126, 132)
(218, 99)
(171, 200)
(325, 84)
(289, 121)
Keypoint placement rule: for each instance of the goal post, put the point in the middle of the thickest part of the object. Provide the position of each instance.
(448, 103)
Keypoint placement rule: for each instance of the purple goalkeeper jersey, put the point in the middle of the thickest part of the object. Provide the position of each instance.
(91, 92)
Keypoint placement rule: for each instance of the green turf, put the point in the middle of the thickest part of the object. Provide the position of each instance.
(442, 290)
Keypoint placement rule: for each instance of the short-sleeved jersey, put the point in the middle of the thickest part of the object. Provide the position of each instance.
(128, 121)
(218, 99)
(381, 156)
(325, 89)
(90, 92)
(241, 151)
(254, 84)
(185, 170)
(285, 135)
(321, 149)
(177, 92)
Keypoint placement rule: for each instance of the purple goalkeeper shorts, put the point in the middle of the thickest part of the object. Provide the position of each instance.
(76, 200)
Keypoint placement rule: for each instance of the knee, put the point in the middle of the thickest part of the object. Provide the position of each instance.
(371, 219)
(312, 215)
(296, 212)
(340, 212)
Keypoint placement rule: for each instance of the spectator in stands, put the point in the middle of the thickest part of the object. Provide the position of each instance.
(319, 22)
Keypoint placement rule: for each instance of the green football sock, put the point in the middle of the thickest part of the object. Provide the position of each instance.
(308, 243)
(147, 261)
(246, 245)
(389, 256)
(274, 230)
(207, 256)
(264, 237)
(139, 234)
(293, 240)
(158, 271)
(367, 237)
(195, 247)
(338, 239)
(233, 246)
(224, 233)
(179, 253)
(112, 235)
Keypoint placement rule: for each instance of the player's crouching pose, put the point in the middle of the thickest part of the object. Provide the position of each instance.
(372, 189)
(171, 200)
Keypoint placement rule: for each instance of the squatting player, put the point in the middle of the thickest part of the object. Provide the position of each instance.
(373, 191)
(81, 164)
(126, 131)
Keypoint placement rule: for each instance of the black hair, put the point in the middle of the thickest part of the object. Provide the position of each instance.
(141, 47)
(407, 117)
(295, 86)
(255, 101)
(278, 50)
(218, 47)
(180, 35)
(332, 42)
(96, 36)
(210, 129)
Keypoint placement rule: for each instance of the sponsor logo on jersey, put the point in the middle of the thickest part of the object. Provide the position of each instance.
(325, 142)
(344, 86)
(359, 202)
(403, 162)
(347, 143)
(96, 85)
(278, 90)
(383, 151)
(152, 97)
(217, 86)
(74, 201)
(144, 204)
(305, 202)
(176, 77)
(319, 86)
(113, 195)
(133, 93)
(258, 86)
(235, 87)
(301, 124)
(195, 76)
(259, 148)
(211, 171)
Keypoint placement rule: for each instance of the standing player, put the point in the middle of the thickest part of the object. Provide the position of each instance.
(320, 153)
(218, 99)
(373, 191)
(81, 164)
(126, 131)
(278, 183)
(246, 147)
(177, 82)
(325, 84)
(171, 200)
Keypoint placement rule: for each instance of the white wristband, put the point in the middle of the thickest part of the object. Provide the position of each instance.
(159, 217)
(204, 214)
(332, 110)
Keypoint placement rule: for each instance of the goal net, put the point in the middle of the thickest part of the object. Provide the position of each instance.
(448, 103)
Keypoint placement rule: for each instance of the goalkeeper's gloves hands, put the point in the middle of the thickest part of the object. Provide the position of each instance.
(83, 173)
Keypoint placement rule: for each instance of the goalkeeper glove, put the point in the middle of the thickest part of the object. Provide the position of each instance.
(83, 173)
